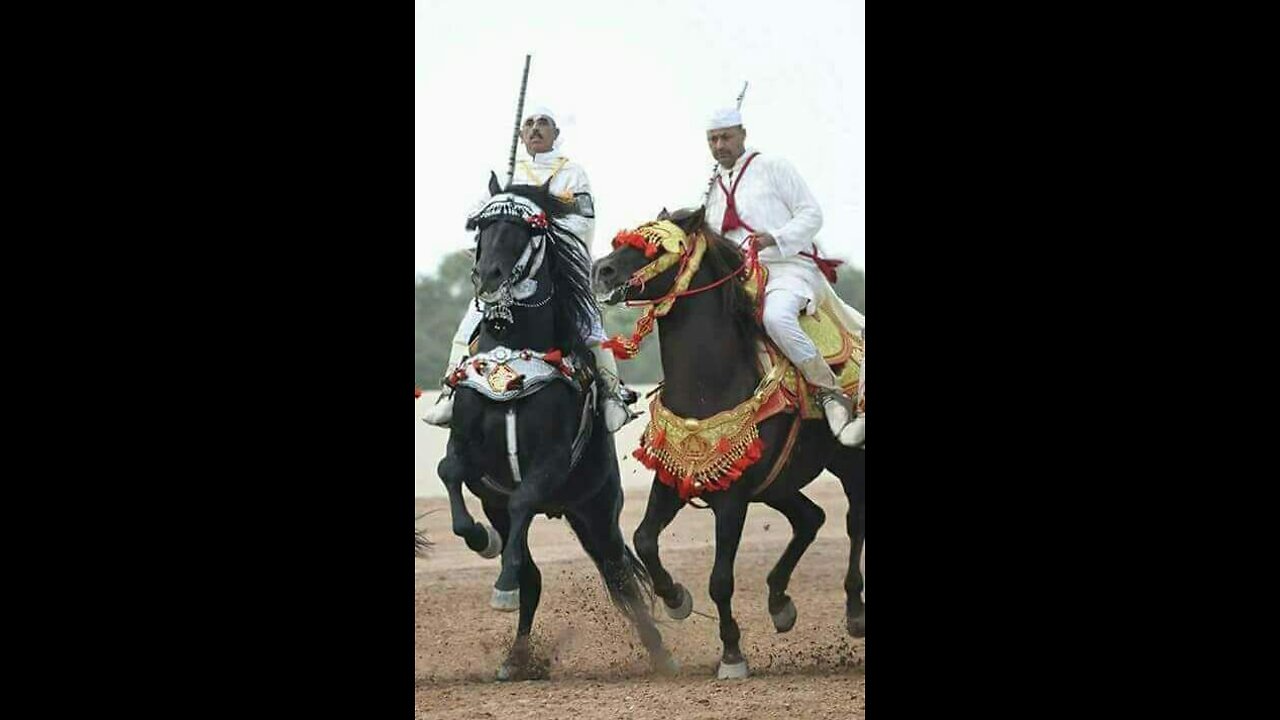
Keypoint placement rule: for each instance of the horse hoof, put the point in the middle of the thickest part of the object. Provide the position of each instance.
(509, 670)
(785, 619)
(666, 666)
(505, 600)
(732, 671)
(494, 548)
(856, 624)
(527, 670)
(684, 609)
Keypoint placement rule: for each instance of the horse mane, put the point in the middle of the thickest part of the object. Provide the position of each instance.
(724, 258)
(569, 266)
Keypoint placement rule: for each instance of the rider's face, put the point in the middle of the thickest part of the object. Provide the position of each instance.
(538, 134)
(727, 144)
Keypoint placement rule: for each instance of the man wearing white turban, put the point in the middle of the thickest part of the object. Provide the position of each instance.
(544, 163)
(762, 197)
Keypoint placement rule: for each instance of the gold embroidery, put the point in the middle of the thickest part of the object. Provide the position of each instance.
(528, 169)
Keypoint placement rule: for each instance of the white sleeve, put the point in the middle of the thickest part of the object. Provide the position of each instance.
(806, 217)
(578, 190)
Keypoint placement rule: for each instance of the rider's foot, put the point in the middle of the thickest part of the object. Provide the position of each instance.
(442, 412)
(839, 411)
(616, 414)
(854, 434)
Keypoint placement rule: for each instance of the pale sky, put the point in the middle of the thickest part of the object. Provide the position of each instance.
(632, 84)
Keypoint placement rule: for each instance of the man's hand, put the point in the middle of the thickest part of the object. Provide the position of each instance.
(763, 240)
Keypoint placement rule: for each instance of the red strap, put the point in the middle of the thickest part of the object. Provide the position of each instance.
(731, 219)
(828, 267)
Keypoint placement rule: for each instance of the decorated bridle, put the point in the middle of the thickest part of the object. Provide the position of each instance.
(664, 239)
(519, 286)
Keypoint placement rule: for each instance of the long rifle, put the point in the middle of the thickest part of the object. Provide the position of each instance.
(515, 136)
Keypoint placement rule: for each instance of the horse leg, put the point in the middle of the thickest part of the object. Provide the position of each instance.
(497, 513)
(663, 505)
(805, 518)
(731, 513)
(518, 665)
(849, 464)
(625, 578)
(454, 473)
(547, 469)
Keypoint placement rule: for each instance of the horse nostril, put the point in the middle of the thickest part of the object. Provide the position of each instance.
(606, 271)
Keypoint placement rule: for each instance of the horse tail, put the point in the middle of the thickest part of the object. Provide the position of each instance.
(629, 584)
(421, 543)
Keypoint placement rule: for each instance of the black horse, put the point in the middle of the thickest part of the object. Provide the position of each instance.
(708, 342)
(544, 449)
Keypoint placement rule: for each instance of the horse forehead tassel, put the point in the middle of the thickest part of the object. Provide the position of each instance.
(664, 233)
(509, 205)
(652, 236)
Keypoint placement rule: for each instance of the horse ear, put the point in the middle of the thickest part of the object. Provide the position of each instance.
(697, 218)
(688, 219)
(494, 187)
(664, 215)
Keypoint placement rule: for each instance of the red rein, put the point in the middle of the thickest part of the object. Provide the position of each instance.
(650, 249)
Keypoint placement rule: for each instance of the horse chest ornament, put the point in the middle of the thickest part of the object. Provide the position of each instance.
(503, 374)
(696, 456)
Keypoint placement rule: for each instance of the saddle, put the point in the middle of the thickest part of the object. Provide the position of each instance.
(842, 348)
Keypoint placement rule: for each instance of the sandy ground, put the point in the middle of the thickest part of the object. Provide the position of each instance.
(597, 667)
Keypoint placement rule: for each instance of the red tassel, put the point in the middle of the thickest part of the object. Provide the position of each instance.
(665, 477)
(828, 267)
(659, 440)
(749, 458)
(686, 487)
(646, 459)
(618, 345)
(554, 357)
(416, 393)
(731, 220)
(722, 447)
(635, 240)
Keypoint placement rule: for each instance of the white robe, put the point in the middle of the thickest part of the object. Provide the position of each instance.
(773, 198)
(568, 182)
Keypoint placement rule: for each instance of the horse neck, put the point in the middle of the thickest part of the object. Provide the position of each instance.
(707, 365)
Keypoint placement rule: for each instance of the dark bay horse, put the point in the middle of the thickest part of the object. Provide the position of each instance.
(709, 347)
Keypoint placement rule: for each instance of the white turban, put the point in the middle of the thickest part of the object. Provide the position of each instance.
(724, 118)
(540, 111)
